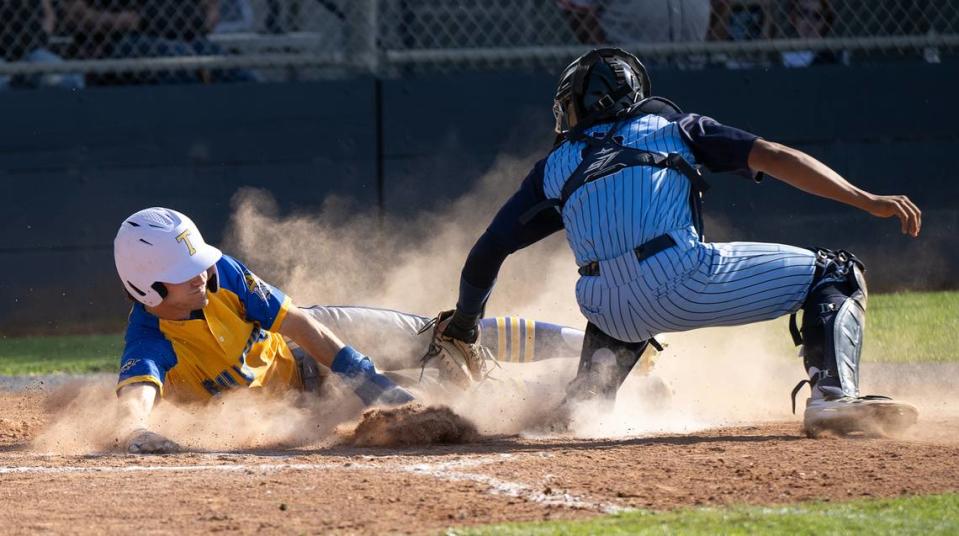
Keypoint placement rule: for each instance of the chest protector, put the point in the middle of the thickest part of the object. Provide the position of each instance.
(605, 155)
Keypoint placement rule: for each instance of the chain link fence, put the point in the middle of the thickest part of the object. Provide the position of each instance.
(73, 43)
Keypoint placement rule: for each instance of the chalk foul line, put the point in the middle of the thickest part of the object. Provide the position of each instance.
(456, 470)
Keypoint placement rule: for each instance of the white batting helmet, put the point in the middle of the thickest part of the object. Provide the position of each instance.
(158, 245)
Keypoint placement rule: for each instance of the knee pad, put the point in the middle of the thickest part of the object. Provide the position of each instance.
(833, 325)
(840, 267)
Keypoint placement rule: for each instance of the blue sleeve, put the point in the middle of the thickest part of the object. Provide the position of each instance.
(505, 235)
(718, 147)
(262, 302)
(147, 357)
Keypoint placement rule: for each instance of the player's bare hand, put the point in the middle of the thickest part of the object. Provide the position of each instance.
(143, 441)
(900, 206)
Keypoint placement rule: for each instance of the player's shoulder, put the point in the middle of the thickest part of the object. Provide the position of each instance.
(655, 113)
(562, 157)
(231, 273)
(235, 277)
(229, 264)
(145, 346)
(658, 106)
(142, 325)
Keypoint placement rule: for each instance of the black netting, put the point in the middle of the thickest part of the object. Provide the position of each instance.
(157, 41)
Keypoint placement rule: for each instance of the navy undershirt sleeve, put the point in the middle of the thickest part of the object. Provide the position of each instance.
(504, 236)
(718, 147)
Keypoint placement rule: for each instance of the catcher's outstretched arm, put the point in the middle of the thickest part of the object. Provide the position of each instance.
(505, 235)
(802, 171)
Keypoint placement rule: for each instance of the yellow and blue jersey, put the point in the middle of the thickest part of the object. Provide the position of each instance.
(232, 342)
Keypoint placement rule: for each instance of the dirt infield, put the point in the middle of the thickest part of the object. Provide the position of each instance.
(424, 490)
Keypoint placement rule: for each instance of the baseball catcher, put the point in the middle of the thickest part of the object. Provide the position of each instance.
(624, 181)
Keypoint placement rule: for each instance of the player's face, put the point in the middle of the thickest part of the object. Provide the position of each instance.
(565, 117)
(190, 295)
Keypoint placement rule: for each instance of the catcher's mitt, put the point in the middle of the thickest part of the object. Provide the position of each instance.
(458, 362)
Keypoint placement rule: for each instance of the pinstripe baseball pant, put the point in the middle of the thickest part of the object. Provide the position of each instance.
(695, 285)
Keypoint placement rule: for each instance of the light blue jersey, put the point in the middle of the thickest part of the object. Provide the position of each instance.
(689, 285)
(607, 218)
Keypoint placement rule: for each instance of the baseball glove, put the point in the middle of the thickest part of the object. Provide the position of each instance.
(460, 363)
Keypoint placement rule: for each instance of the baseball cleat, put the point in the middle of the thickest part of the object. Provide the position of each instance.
(868, 415)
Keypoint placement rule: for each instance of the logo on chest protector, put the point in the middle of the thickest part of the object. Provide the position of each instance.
(600, 167)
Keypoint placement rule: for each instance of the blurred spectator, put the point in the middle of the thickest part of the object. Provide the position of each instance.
(637, 21)
(149, 28)
(810, 19)
(740, 20)
(235, 16)
(24, 35)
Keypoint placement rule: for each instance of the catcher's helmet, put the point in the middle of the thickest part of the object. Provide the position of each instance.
(156, 246)
(599, 86)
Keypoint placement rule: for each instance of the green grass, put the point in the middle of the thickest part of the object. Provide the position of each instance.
(913, 327)
(68, 353)
(907, 327)
(932, 514)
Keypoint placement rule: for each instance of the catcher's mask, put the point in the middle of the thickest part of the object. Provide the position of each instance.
(598, 86)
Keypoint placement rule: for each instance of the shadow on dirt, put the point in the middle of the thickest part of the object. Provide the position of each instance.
(516, 444)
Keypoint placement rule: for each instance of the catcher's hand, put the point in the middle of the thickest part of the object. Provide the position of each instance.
(143, 441)
(900, 206)
(458, 362)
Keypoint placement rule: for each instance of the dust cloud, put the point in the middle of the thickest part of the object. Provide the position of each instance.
(83, 420)
(706, 378)
(337, 255)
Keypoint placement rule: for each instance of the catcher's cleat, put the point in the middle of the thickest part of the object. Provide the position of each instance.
(868, 415)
